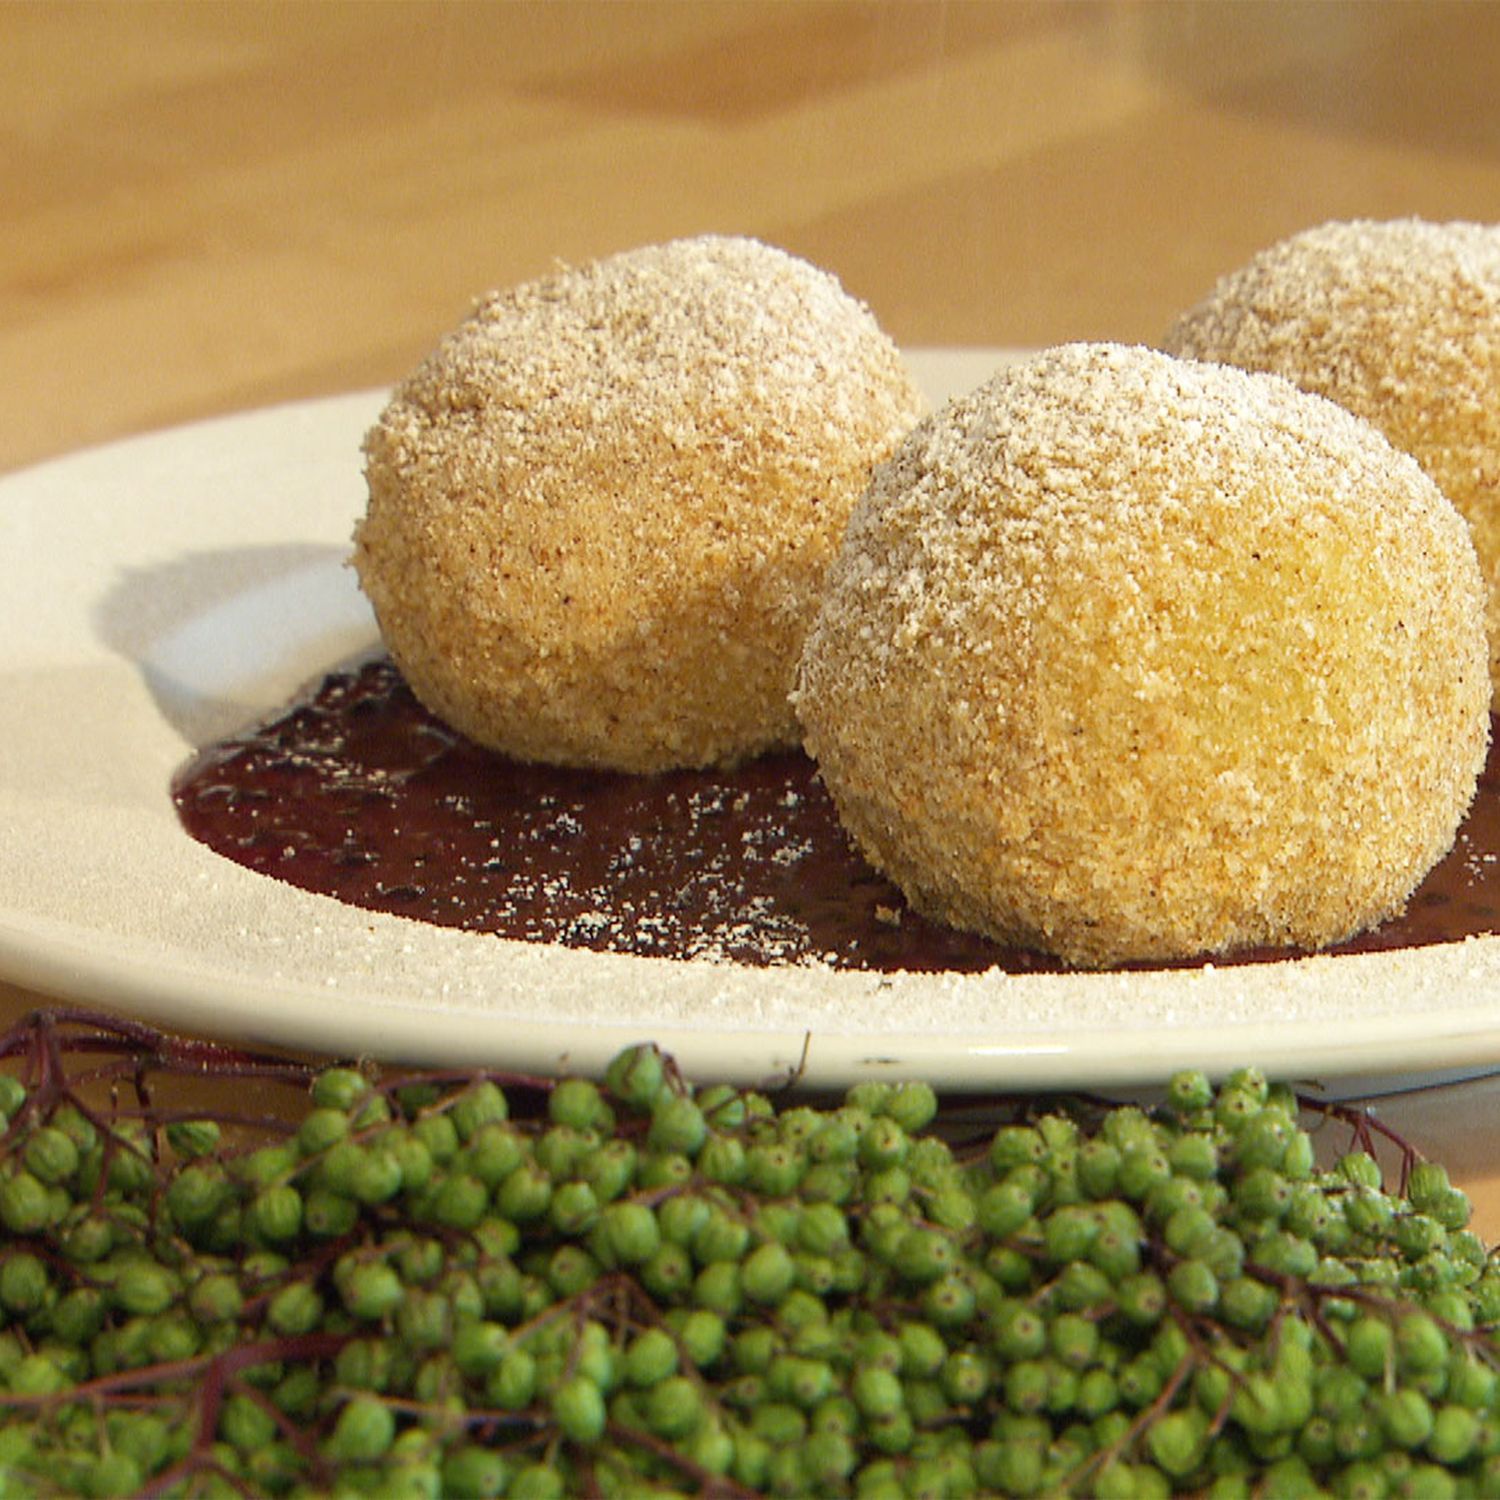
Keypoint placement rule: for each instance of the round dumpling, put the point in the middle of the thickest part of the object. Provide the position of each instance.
(1400, 322)
(600, 512)
(1127, 657)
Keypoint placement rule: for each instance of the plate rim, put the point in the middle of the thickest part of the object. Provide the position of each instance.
(43, 954)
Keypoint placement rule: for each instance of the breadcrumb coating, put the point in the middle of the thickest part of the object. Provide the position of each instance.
(1127, 657)
(1400, 322)
(600, 512)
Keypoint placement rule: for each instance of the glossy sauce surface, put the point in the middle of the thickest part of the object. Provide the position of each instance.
(357, 792)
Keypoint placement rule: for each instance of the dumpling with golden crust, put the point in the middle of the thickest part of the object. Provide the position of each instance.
(1127, 657)
(600, 513)
(1400, 322)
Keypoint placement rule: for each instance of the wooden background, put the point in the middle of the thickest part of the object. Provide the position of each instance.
(213, 205)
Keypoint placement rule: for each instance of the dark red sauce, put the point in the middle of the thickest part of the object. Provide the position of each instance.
(357, 792)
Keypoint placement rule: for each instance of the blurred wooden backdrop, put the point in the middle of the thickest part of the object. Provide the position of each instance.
(210, 205)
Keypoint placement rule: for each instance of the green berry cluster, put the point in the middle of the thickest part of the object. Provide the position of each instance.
(466, 1286)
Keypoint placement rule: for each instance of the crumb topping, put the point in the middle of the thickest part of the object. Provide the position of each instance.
(600, 511)
(1130, 657)
(1398, 321)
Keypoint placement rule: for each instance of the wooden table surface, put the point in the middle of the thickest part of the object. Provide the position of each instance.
(209, 206)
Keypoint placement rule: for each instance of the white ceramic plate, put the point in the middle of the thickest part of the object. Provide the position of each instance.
(163, 590)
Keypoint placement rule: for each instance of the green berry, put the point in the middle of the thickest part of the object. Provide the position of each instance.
(438, 1135)
(630, 1231)
(1018, 1330)
(966, 1377)
(144, 1288)
(1074, 1339)
(667, 1272)
(12, 1095)
(512, 1383)
(650, 1358)
(1142, 1298)
(876, 1391)
(703, 1335)
(1189, 1091)
(1003, 1208)
(478, 1348)
(1420, 1344)
(79, 1315)
(773, 1169)
(577, 1407)
(637, 1076)
(722, 1159)
(215, 1298)
(1026, 1385)
(491, 1153)
(296, 1308)
(1361, 1169)
(1406, 1416)
(25, 1206)
(677, 1125)
(718, 1288)
(573, 1209)
(884, 1144)
(275, 1213)
(1068, 1232)
(110, 1474)
(579, 1103)
(1195, 1156)
(923, 1349)
(339, 1088)
(1176, 1441)
(658, 1170)
(1142, 1168)
(1015, 1146)
(949, 1301)
(1193, 1287)
(363, 1431)
(480, 1103)
(375, 1176)
(472, 1472)
(87, 1240)
(912, 1106)
(673, 1408)
(536, 1481)
(413, 1157)
(609, 1169)
(1098, 1168)
(321, 1129)
(197, 1194)
(245, 1423)
(524, 1196)
(1284, 1254)
(372, 1290)
(768, 1273)
(718, 1236)
(922, 1255)
(50, 1155)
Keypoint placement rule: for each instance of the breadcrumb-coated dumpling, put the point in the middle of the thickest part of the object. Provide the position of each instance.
(1128, 657)
(600, 512)
(1400, 322)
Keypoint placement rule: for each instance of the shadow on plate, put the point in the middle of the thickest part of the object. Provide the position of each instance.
(224, 637)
